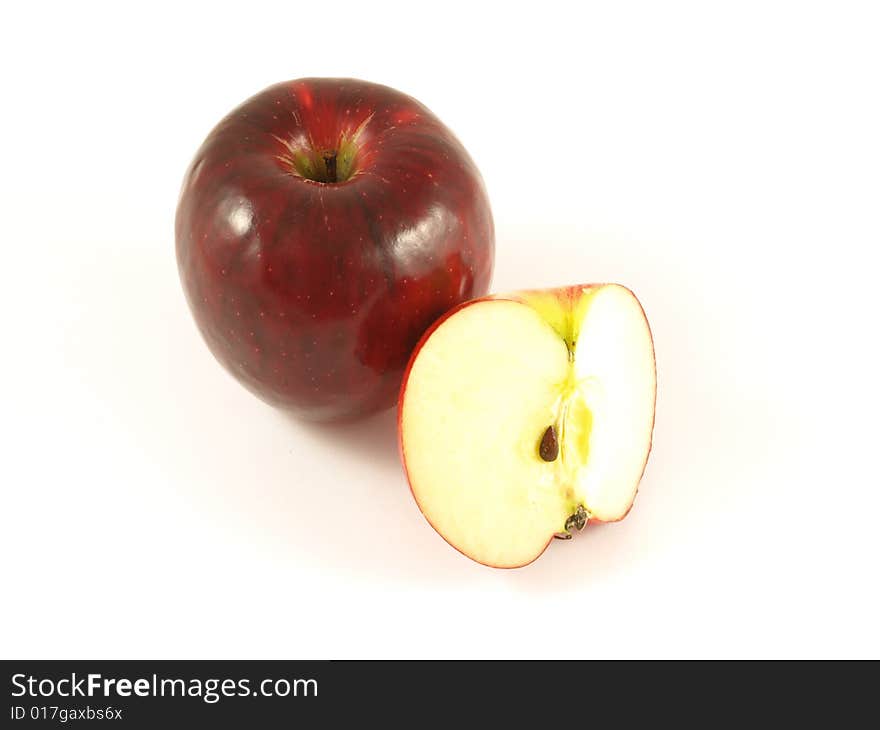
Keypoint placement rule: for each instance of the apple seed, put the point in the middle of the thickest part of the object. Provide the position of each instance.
(549, 448)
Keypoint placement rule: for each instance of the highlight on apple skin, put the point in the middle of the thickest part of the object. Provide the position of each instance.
(524, 416)
(322, 227)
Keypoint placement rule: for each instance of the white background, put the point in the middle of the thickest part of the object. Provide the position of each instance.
(721, 159)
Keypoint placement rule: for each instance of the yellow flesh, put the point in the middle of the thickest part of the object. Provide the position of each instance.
(614, 366)
(485, 387)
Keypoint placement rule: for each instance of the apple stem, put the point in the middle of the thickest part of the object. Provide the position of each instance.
(330, 164)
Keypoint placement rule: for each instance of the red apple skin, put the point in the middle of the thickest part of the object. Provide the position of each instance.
(314, 294)
(569, 292)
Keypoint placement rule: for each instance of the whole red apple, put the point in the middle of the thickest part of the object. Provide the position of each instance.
(322, 226)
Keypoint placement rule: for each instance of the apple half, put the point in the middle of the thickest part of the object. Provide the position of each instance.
(523, 416)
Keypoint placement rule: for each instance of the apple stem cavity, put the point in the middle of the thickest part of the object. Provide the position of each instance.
(549, 448)
(330, 164)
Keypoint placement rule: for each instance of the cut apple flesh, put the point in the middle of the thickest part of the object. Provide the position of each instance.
(522, 416)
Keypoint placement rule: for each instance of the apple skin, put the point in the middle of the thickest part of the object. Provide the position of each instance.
(313, 294)
(568, 293)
